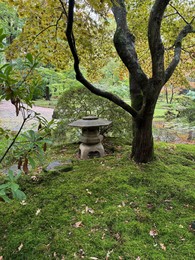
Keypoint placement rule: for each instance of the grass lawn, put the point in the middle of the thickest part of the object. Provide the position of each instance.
(105, 208)
(46, 103)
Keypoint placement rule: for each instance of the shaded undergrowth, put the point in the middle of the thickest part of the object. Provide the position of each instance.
(105, 207)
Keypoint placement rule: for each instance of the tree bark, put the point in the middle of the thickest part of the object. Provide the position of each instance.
(142, 145)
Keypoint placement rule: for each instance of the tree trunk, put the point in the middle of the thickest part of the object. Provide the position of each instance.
(47, 93)
(142, 146)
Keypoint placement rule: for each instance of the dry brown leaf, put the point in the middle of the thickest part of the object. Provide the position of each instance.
(25, 166)
(153, 233)
(108, 254)
(34, 178)
(23, 203)
(89, 210)
(37, 212)
(20, 247)
(163, 246)
(123, 203)
(103, 236)
(117, 236)
(78, 224)
(88, 192)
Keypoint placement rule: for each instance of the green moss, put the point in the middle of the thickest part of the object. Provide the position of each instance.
(105, 205)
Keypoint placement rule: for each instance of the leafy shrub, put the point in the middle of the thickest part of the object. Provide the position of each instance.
(191, 94)
(189, 112)
(79, 102)
(184, 110)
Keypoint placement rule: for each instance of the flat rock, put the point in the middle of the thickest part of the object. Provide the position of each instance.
(59, 166)
(13, 168)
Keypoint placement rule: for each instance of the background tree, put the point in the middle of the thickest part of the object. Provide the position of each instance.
(144, 90)
(10, 22)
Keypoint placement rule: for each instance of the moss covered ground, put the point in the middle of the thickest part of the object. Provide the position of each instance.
(105, 208)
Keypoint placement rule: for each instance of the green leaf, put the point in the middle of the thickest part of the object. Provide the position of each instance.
(29, 57)
(17, 176)
(48, 141)
(4, 186)
(2, 36)
(4, 66)
(5, 198)
(2, 76)
(14, 186)
(10, 175)
(18, 194)
(32, 162)
(8, 70)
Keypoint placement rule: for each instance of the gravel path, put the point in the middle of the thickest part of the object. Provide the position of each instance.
(9, 120)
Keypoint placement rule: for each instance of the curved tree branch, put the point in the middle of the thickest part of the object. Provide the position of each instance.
(79, 75)
(177, 52)
(154, 38)
(124, 43)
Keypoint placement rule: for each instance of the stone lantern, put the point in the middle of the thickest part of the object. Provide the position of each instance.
(90, 138)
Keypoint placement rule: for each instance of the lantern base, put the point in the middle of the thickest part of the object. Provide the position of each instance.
(91, 151)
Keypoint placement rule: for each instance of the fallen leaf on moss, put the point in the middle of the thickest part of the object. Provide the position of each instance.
(108, 254)
(153, 233)
(37, 212)
(78, 224)
(88, 192)
(20, 247)
(163, 246)
(23, 203)
(34, 178)
(89, 210)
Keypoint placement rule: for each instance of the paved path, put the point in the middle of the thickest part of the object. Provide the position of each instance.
(9, 120)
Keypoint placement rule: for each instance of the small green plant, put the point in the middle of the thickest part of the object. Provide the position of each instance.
(11, 187)
(31, 145)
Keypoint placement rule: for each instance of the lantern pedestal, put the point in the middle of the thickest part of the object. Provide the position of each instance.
(87, 151)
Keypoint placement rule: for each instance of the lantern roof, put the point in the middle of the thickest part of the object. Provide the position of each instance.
(90, 121)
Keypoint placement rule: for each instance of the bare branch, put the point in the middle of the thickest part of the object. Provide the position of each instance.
(168, 15)
(79, 76)
(177, 52)
(177, 12)
(192, 20)
(63, 7)
(154, 38)
(14, 140)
